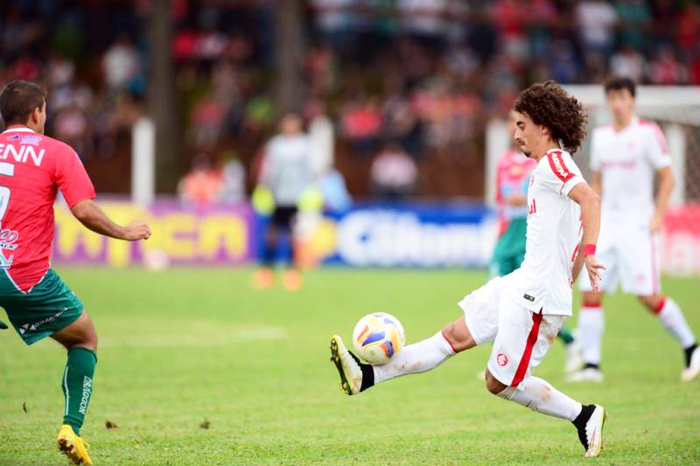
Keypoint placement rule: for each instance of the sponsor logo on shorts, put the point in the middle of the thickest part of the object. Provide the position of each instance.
(529, 298)
(502, 359)
(32, 327)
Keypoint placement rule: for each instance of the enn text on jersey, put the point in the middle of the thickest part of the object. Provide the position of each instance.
(25, 153)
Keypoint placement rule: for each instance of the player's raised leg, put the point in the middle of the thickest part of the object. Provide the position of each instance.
(80, 339)
(478, 325)
(671, 317)
(423, 356)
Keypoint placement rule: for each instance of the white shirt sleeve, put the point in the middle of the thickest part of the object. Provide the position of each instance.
(657, 150)
(560, 173)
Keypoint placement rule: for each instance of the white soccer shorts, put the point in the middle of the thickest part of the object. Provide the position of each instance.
(630, 257)
(521, 338)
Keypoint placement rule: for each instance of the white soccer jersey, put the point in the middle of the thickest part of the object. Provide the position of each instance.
(287, 167)
(544, 280)
(628, 160)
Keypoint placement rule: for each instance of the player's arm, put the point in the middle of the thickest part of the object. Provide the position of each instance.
(95, 219)
(660, 159)
(666, 184)
(589, 201)
(70, 176)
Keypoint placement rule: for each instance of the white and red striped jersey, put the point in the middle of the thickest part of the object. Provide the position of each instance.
(544, 279)
(628, 159)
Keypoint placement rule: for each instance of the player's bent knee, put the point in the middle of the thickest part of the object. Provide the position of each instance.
(493, 385)
(458, 336)
(79, 334)
(652, 302)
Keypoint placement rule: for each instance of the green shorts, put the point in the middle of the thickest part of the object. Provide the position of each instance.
(48, 307)
(510, 249)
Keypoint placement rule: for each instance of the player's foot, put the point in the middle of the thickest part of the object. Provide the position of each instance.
(574, 357)
(292, 280)
(73, 446)
(693, 369)
(587, 374)
(590, 429)
(349, 367)
(263, 278)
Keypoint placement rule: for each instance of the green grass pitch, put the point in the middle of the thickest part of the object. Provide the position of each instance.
(185, 346)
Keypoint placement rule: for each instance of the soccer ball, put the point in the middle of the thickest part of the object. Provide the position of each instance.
(378, 337)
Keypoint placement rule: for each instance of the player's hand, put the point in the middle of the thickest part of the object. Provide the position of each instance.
(655, 223)
(594, 269)
(138, 230)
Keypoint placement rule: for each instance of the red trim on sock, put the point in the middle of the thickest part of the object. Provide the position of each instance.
(527, 354)
(659, 307)
(591, 304)
(448, 342)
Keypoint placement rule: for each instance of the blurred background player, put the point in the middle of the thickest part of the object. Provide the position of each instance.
(38, 303)
(513, 178)
(287, 173)
(625, 156)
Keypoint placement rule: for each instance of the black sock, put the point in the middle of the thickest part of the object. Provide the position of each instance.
(590, 365)
(580, 423)
(689, 353)
(367, 373)
(583, 416)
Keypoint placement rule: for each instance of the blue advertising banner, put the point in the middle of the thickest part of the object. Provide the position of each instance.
(414, 236)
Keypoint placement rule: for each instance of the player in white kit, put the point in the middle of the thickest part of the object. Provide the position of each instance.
(625, 157)
(522, 312)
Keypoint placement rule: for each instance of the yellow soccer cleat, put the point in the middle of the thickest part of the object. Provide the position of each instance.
(73, 446)
(348, 366)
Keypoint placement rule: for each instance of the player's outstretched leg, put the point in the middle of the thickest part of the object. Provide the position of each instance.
(540, 396)
(672, 318)
(80, 339)
(423, 356)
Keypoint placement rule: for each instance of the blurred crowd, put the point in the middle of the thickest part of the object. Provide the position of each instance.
(421, 77)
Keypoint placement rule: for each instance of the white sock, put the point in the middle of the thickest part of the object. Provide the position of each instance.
(541, 397)
(418, 357)
(672, 318)
(591, 324)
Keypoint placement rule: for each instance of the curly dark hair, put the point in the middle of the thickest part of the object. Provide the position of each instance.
(548, 104)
